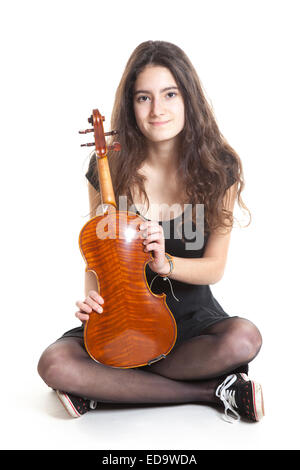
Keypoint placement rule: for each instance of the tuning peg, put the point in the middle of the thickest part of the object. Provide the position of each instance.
(116, 147)
(86, 131)
(90, 144)
(111, 133)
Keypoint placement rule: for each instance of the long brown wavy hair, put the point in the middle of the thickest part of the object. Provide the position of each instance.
(209, 165)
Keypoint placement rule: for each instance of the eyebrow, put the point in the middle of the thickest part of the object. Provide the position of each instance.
(161, 91)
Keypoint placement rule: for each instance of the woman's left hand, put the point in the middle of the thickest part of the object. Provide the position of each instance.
(154, 240)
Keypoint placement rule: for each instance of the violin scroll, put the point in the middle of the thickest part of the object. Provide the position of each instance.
(96, 120)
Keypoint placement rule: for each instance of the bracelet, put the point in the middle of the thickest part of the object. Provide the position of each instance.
(165, 276)
(171, 263)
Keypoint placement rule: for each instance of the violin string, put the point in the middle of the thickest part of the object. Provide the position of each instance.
(100, 190)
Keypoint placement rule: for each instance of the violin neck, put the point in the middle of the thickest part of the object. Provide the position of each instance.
(105, 181)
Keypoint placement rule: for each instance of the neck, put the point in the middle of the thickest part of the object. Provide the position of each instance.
(163, 156)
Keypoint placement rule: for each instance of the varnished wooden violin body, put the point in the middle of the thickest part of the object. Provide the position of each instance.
(136, 327)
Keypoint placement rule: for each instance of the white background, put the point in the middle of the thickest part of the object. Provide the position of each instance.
(61, 59)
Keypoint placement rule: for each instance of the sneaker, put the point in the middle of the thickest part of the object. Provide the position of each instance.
(242, 397)
(75, 406)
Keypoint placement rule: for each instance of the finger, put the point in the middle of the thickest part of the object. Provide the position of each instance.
(95, 296)
(84, 306)
(94, 305)
(82, 316)
(149, 225)
(157, 229)
(152, 247)
(153, 237)
(150, 231)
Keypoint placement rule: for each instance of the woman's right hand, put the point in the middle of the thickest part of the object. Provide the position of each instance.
(92, 302)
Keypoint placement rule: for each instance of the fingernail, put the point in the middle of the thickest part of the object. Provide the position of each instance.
(100, 309)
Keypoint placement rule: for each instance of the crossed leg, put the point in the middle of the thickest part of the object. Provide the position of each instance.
(190, 373)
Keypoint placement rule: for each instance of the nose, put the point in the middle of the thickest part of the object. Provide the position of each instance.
(157, 108)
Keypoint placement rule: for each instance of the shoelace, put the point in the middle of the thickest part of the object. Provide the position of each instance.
(228, 398)
(91, 403)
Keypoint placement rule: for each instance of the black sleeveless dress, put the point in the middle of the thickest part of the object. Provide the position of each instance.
(194, 308)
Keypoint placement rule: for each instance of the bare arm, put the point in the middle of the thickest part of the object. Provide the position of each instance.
(210, 268)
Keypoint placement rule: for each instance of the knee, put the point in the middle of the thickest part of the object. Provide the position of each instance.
(50, 366)
(246, 341)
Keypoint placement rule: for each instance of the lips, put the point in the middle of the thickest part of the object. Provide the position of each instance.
(161, 123)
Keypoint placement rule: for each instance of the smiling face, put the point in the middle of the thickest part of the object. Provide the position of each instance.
(158, 104)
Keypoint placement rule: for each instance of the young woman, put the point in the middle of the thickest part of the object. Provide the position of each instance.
(172, 154)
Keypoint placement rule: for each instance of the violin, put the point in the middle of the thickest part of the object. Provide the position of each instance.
(136, 327)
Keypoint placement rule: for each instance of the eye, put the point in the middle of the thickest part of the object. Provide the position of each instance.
(142, 98)
(171, 94)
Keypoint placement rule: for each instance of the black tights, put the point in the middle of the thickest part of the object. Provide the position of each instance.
(190, 373)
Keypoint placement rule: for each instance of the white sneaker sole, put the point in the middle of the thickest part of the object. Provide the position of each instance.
(258, 400)
(68, 405)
